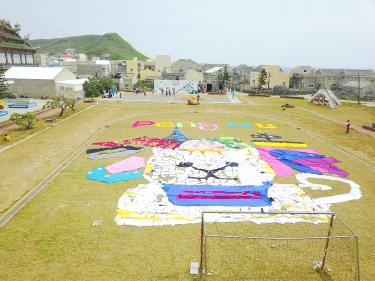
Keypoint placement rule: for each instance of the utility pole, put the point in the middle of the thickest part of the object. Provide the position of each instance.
(359, 88)
(269, 80)
(243, 84)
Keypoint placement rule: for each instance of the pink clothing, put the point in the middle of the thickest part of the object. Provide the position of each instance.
(126, 165)
(323, 165)
(281, 170)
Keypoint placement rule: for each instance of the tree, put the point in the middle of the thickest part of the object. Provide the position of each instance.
(223, 77)
(4, 90)
(144, 84)
(96, 87)
(63, 103)
(93, 88)
(106, 83)
(262, 77)
(26, 120)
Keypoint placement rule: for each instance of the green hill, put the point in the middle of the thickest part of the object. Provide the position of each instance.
(94, 45)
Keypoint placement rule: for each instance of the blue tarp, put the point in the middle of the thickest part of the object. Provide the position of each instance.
(177, 136)
(287, 157)
(101, 175)
(218, 195)
(3, 113)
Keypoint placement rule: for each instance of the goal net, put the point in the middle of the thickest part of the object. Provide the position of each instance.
(269, 251)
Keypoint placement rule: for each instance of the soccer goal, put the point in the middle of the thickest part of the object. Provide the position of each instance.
(326, 249)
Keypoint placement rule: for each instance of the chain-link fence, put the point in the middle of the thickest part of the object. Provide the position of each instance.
(269, 251)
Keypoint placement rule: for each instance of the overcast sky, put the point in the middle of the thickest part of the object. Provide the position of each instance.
(321, 33)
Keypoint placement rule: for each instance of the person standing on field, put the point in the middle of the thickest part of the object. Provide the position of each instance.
(347, 126)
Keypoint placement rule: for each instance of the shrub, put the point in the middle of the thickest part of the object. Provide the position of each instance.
(26, 120)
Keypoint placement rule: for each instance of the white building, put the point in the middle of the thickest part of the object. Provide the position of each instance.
(37, 82)
(106, 66)
(71, 88)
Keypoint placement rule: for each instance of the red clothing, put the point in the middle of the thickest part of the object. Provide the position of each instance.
(347, 127)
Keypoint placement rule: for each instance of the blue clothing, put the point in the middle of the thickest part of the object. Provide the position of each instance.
(218, 195)
(100, 174)
(177, 136)
(287, 157)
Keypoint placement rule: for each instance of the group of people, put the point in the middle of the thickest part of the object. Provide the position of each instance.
(138, 90)
(110, 94)
(168, 92)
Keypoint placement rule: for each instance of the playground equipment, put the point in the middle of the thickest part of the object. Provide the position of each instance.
(325, 97)
(20, 103)
(193, 98)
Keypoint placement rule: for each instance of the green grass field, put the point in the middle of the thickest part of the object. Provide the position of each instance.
(52, 237)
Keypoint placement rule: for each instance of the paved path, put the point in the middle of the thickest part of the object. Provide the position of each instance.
(339, 122)
(178, 98)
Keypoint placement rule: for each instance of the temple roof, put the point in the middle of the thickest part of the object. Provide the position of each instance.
(10, 38)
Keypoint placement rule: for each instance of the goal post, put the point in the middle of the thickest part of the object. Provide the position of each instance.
(246, 246)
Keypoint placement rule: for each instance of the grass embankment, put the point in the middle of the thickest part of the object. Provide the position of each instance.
(52, 238)
(40, 124)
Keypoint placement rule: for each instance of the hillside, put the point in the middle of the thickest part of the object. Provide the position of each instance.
(94, 45)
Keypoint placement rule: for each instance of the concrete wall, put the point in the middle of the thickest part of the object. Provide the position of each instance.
(180, 86)
(70, 94)
(144, 74)
(275, 76)
(33, 88)
(184, 65)
(253, 79)
(162, 62)
(90, 69)
(70, 65)
(193, 75)
(132, 66)
(41, 59)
